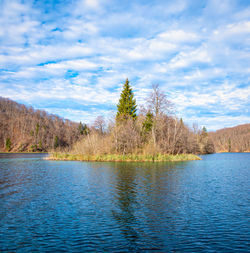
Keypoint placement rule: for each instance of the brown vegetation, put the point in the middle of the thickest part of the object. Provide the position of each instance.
(25, 129)
(234, 139)
(168, 136)
(154, 131)
(123, 158)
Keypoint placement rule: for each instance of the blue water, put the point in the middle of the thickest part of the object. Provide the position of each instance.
(60, 206)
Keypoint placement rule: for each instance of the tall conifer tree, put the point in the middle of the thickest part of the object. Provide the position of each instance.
(127, 104)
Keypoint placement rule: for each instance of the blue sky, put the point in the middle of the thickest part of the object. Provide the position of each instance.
(71, 58)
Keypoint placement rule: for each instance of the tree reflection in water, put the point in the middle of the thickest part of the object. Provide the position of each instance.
(133, 182)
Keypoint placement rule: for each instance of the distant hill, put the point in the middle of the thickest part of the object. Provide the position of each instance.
(23, 128)
(233, 139)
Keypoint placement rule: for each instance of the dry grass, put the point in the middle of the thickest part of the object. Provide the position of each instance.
(123, 158)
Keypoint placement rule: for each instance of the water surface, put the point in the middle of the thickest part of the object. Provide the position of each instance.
(124, 207)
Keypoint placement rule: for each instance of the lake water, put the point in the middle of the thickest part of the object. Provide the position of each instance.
(57, 206)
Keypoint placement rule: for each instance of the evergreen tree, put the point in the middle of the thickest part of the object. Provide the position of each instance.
(83, 129)
(181, 122)
(204, 131)
(147, 126)
(56, 142)
(148, 123)
(37, 128)
(229, 145)
(8, 144)
(127, 104)
(40, 146)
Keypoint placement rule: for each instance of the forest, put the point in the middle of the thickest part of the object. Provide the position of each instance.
(233, 139)
(23, 129)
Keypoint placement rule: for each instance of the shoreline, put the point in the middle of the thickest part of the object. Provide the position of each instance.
(220, 152)
(122, 158)
(2, 152)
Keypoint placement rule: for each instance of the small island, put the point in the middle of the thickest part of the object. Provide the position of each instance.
(153, 135)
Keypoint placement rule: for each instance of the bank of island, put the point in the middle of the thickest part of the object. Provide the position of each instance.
(123, 158)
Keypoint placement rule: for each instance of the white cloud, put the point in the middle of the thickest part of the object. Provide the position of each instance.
(186, 59)
(92, 3)
(198, 54)
(179, 36)
(79, 64)
(79, 29)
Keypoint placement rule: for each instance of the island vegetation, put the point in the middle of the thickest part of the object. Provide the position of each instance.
(153, 134)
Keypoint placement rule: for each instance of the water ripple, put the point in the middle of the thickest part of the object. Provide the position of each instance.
(53, 206)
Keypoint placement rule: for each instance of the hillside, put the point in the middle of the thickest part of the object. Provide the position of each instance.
(234, 139)
(24, 129)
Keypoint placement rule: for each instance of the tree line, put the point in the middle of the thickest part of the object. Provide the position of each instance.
(24, 129)
(233, 139)
(154, 130)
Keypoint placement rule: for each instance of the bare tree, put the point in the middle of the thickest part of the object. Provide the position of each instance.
(159, 105)
(33, 130)
(233, 139)
(158, 102)
(99, 124)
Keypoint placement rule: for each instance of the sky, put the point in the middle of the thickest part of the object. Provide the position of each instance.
(71, 57)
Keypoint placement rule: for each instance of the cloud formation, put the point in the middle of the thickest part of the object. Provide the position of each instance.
(82, 51)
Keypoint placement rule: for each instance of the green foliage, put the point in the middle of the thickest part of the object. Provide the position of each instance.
(80, 128)
(8, 144)
(204, 131)
(33, 148)
(37, 128)
(148, 123)
(56, 142)
(229, 145)
(83, 129)
(40, 145)
(127, 104)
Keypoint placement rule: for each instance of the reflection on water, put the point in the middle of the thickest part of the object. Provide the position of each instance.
(126, 203)
(76, 206)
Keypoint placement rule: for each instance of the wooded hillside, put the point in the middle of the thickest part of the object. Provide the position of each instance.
(234, 139)
(25, 129)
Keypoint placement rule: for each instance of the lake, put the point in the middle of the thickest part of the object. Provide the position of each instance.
(63, 206)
